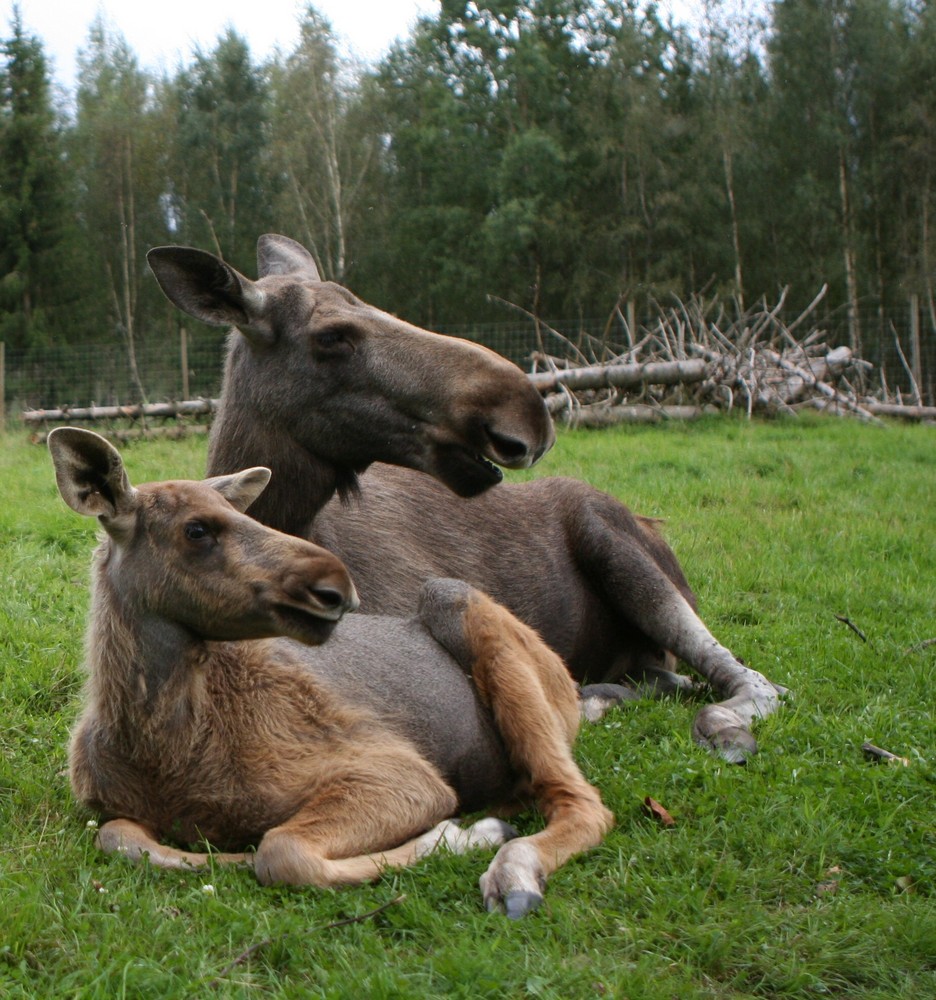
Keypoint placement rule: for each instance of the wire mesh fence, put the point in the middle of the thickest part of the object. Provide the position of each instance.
(190, 366)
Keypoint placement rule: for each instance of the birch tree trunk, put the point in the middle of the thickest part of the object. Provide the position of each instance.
(848, 253)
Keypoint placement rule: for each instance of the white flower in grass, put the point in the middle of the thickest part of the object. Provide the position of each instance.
(208, 890)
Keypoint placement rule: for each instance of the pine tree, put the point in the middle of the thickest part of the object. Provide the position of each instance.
(34, 206)
(221, 180)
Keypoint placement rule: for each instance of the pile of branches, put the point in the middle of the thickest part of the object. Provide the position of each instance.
(693, 359)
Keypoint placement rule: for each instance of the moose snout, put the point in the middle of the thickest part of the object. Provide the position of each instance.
(514, 452)
(322, 587)
(516, 424)
(333, 602)
(518, 451)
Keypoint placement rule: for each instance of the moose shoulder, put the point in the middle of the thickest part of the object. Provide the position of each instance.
(340, 398)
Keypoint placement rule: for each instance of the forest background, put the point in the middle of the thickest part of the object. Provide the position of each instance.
(571, 159)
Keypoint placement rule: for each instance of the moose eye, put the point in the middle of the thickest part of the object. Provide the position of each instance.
(335, 340)
(196, 531)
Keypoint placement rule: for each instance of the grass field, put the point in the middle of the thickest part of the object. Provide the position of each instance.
(809, 873)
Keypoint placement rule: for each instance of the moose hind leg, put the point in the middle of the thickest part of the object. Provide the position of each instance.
(535, 707)
(387, 808)
(615, 556)
(135, 842)
(367, 815)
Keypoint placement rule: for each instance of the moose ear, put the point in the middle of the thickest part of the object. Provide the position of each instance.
(90, 473)
(241, 488)
(281, 255)
(205, 287)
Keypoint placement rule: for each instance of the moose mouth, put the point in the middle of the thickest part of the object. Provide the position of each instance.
(464, 471)
(304, 626)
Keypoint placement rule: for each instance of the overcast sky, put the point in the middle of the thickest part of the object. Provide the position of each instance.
(165, 33)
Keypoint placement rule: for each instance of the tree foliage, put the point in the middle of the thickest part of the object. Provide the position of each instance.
(562, 155)
(34, 198)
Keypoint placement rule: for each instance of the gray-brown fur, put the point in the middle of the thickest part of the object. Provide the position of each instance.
(202, 720)
(385, 402)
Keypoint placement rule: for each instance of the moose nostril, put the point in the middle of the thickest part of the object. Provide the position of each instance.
(509, 449)
(328, 597)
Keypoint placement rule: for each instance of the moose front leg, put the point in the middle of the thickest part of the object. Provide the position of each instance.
(633, 584)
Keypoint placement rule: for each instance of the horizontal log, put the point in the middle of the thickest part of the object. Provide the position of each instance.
(907, 412)
(133, 412)
(638, 413)
(621, 376)
(173, 432)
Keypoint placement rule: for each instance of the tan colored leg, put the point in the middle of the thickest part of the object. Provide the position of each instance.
(308, 848)
(135, 842)
(535, 704)
(373, 816)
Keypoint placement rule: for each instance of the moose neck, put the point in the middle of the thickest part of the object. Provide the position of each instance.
(242, 436)
(142, 669)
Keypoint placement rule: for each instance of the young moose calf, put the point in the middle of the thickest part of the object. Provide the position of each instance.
(334, 761)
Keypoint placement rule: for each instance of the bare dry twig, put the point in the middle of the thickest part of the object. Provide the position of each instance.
(852, 626)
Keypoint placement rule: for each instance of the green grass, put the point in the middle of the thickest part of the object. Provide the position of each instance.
(808, 873)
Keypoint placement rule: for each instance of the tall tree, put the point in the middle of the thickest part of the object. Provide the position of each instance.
(832, 68)
(649, 176)
(914, 157)
(732, 90)
(425, 256)
(319, 145)
(114, 152)
(34, 204)
(222, 184)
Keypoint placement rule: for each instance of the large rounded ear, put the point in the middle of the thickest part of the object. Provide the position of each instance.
(240, 489)
(90, 473)
(205, 287)
(281, 255)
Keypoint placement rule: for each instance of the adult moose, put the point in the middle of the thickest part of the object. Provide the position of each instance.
(319, 386)
(335, 760)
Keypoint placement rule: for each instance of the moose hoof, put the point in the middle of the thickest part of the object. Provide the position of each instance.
(735, 746)
(723, 732)
(519, 904)
(515, 880)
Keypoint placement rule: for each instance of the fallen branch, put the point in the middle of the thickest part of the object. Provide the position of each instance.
(637, 413)
(173, 433)
(905, 412)
(822, 388)
(690, 359)
(853, 627)
(841, 406)
(920, 646)
(188, 407)
(622, 376)
(883, 756)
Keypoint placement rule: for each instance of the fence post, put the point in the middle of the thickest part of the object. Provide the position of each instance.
(185, 372)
